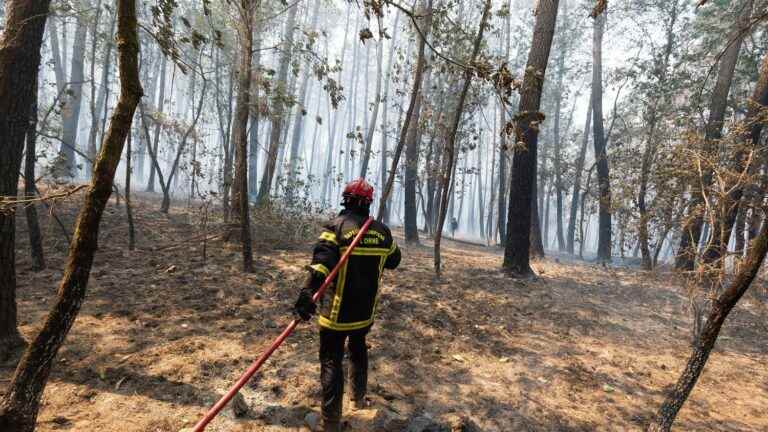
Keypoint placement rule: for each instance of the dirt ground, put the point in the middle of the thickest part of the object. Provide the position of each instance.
(582, 348)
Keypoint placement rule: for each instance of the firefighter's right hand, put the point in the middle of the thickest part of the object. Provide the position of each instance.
(304, 307)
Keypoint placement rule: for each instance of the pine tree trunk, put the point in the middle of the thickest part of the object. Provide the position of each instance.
(601, 154)
(128, 208)
(21, 403)
(19, 62)
(240, 136)
(522, 189)
(557, 137)
(30, 210)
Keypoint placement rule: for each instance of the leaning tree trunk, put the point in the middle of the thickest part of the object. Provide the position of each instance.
(30, 210)
(719, 310)
(601, 154)
(689, 240)
(450, 140)
(415, 90)
(517, 248)
(19, 61)
(21, 403)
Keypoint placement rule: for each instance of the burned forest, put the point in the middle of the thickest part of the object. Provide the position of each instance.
(383, 216)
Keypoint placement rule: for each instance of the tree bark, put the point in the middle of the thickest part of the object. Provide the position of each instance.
(601, 154)
(21, 403)
(451, 138)
(19, 62)
(128, 207)
(240, 135)
(30, 210)
(528, 121)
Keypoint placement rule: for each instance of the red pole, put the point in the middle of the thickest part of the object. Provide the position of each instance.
(216, 409)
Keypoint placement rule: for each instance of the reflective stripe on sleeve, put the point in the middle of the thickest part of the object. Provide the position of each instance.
(320, 269)
(329, 237)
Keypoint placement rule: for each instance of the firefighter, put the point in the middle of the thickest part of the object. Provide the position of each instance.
(348, 307)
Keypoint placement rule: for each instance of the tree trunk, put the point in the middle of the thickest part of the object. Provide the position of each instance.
(720, 308)
(240, 136)
(522, 192)
(279, 108)
(70, 112)
(652, 114)
(376, 104)
(424, 23)
(298, 122)
(91, 148)
(577, 180)
(19, 62)
(560, 93)
(451, 138)
(729, 205)
(128, 208)
(21, 403)
(30, 210)
(155, 142)
(601, 154)
(412, 149)
(689, 240)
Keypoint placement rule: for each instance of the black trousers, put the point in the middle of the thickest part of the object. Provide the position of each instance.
(332, 373)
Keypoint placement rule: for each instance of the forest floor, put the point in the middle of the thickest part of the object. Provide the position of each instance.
(163, 333)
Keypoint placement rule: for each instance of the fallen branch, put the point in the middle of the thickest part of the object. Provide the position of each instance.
(6, 203)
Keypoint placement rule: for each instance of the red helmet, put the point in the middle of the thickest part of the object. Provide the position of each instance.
(359, 189)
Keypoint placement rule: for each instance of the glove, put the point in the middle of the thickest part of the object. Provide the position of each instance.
(304, 308)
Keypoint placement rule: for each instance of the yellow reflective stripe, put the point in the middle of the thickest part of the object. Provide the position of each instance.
(329, 237)
(392, 248)
(320, 269)
(341, 279)
(333, 325)
(361, 250)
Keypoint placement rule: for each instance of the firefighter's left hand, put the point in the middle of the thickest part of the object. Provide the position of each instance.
(304, 307)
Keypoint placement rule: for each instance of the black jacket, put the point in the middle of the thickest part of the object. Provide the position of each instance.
(350, 303)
